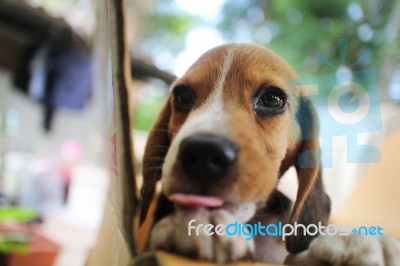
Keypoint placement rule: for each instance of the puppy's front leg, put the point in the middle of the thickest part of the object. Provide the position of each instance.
(352, 250)
(174, 234)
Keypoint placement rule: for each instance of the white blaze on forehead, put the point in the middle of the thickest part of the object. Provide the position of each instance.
(217, 92)
(209, 118)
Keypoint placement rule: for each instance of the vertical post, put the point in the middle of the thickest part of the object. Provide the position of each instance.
(121, 79)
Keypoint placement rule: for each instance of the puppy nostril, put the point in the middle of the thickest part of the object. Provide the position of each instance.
(188, 159)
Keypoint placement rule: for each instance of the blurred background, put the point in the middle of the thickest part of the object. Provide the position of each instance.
(56, 103)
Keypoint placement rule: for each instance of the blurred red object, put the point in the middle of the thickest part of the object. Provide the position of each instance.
(42, 251)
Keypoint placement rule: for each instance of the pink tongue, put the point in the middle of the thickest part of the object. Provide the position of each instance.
(196, 200)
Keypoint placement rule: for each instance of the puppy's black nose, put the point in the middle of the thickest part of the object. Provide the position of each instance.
(207, 156)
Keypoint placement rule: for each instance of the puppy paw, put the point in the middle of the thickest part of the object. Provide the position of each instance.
(173, 234)
(229, 248)
(351, 250)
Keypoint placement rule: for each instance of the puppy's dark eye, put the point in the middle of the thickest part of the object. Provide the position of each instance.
(270, 101)
(183, 97)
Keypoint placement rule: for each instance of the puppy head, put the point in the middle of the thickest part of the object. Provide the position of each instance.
(228, 129)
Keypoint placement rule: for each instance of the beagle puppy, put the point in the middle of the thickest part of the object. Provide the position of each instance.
(233, 124)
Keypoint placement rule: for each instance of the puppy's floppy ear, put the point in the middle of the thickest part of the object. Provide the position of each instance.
(154, 155)
(312, 204)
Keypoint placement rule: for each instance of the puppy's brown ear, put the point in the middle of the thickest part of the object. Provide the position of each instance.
(156, 149)
(312, 204)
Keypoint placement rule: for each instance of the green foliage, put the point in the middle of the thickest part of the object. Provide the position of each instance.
(319, 27)
(166, 28)
(15, 242)
(297, 30)
(9, 245)
(302, 28)
(17, 214)
(147, 111)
